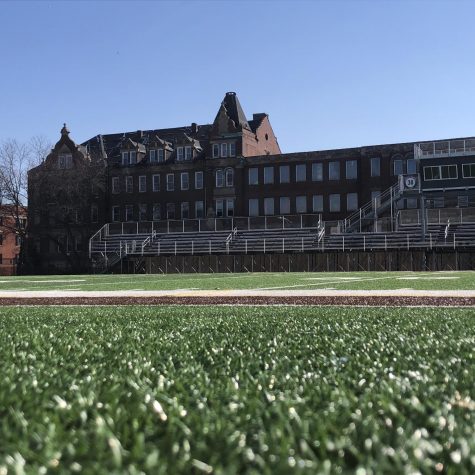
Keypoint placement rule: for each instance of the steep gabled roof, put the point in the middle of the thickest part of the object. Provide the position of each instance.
(233, 110)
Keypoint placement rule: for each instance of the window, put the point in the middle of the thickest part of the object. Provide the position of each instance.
(170, 182)
(376, 198)
(300, 172)
(115, 213)
(268, 175)
(441, 172)
(253, 207)
(152, 156)
(125, 158)
(375, 166)
(317, 203)
(198, 180)
(185, 181)
(468, 170)
(188, 153)
(334, 203)
(301, 204)
(411, 166)
(156, 182)
(229, 207)
(115, 184)
(284, 174)
(161, 155)
(224, 149)
(170, 210)
(334, 171)
(317, 171)
(284, 205)
(132, 158)
(232, 149)
(185, 210)
(129, 184)
(142, 212)
(351, 169)
(219, 178)
(215, 150)
(129, 212)
(199, 210)
(253, 176)
(352, 201)
(94, 214)
(268, 206)
(65, 160)
(179, 154)
(229, 177)
(219, 208)
(398, 167)
(462, 201)
(156, 215)
(142, 184)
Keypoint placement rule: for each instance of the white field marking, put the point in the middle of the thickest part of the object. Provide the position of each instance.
(428, 278)
(326, 278)
(62, 281)
(324, 283)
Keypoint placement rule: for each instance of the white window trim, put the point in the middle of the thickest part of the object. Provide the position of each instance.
(155, 181)
(143, 181)
(216, 149)
(182, 176)
(196, 180)
(440, 173)
(463, 172)
(172, 182)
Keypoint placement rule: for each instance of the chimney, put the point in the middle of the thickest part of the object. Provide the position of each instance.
(194, 128)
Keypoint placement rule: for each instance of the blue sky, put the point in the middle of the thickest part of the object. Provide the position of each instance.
(329, 74)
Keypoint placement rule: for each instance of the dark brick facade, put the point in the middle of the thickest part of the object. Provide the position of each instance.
(231, 167)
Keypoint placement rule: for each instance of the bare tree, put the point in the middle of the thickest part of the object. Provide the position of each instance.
(16, 159)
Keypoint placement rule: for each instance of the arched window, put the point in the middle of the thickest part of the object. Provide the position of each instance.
(229, 177)
(219, 178)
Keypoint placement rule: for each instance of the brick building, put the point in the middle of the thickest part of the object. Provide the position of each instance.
(12, 225)
(230, 168)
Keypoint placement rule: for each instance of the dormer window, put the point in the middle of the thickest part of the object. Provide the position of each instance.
(65, 160)
(188, 153)
(160, 155)
(133, 158)
(125, 158)
(215, 150)
(224, 149)
(179, 154)
(152, 156)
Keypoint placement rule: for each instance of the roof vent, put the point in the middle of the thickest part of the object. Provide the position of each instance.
(230, 93)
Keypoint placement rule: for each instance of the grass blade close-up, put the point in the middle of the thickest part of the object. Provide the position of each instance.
(223, 390)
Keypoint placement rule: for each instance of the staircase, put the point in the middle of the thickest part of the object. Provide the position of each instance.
(363, 219)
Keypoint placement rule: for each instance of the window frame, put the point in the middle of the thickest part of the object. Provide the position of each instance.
(155, 183)
(184, 181)
(142, 183)
(170, 183)
(251, 172)
(199, 173)
(317, 171)
(300, 172)
(334, 172)
(355, 163)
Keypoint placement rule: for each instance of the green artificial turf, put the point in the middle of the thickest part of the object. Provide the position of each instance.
(278, 390)
(295, 280)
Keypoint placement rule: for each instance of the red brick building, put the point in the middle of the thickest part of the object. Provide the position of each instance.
(12, 225)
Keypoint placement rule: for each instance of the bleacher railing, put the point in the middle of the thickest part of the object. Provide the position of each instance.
(437, 216)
